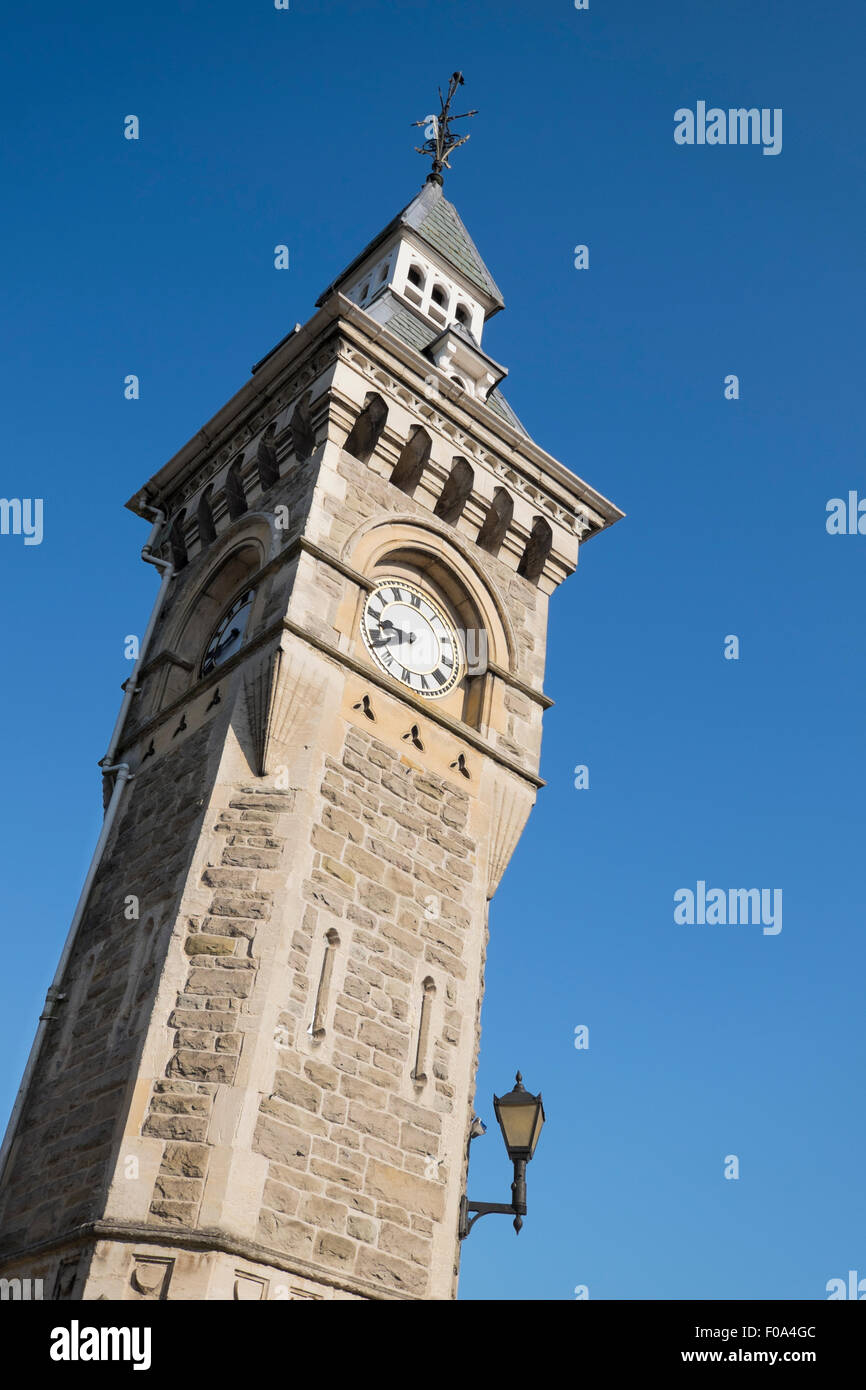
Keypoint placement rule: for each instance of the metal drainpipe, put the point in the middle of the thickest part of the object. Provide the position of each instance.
(55, 994)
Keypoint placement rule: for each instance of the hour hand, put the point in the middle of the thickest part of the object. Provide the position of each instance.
(393, 635)
(226, 642)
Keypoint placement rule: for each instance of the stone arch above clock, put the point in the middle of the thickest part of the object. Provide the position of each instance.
(369, 547)
(424, 556)
(233, 562)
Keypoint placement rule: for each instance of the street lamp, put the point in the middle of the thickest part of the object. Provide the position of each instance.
(521, 1117)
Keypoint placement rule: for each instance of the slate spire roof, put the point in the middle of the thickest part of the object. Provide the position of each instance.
(436, 221)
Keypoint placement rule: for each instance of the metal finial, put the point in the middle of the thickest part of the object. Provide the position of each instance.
(441, 140)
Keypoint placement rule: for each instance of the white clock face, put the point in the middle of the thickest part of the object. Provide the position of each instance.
(411, 637)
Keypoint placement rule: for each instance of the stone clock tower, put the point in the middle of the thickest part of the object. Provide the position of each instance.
(254, 1073)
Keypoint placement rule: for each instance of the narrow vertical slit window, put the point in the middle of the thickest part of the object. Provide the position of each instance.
(317, 1027)
(428, 992)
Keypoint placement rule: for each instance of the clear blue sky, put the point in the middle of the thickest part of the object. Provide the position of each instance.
(261, 127)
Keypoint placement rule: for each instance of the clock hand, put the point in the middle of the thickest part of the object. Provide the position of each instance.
(389, 640)
(226, 642)
(394, 632)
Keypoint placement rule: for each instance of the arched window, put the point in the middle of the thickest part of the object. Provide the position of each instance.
(534, 557)
(383, 273)
(415, 282)
(206, 528)
(191, 638)
(266, 459)
(236, 499)
(177, 542)
(365, 291)
(460, 381)
(455, 492)
(220, 614)
(412, 461)
(438, 304)
(496, 522)
(462, 315)
(365, 433)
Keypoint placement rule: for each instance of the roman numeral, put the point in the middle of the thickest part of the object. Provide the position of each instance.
(415, 600)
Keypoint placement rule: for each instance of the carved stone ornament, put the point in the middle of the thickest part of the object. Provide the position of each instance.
(511, 805)
(280, 696)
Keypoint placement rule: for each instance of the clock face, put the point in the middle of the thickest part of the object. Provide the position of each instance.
(228, 633)
(412, 638)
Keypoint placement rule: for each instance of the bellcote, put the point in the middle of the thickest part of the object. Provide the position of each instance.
(423, 275)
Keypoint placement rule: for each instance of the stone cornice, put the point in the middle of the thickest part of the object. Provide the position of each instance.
(270, 385)
(516, 450)
(205, 1239)
(467, 414)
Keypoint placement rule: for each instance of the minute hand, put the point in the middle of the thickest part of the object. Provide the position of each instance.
(394, 634)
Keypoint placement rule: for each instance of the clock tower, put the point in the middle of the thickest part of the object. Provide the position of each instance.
(254, 1073)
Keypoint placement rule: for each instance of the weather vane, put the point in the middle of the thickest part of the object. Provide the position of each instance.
(441, 140)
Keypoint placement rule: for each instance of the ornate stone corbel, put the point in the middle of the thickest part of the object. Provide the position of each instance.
(511, 803)
(279, 696)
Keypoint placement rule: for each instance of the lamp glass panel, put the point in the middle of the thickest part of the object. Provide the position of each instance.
(539, 1121)
(518, 1123)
